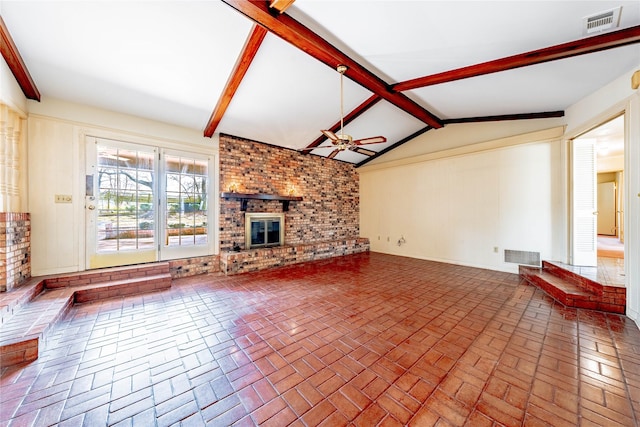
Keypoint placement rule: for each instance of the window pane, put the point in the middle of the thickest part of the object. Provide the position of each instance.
(186, 208)
(126, 202)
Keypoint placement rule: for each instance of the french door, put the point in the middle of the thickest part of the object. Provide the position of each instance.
(144, 204)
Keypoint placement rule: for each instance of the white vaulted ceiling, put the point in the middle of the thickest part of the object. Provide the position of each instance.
(170, 61)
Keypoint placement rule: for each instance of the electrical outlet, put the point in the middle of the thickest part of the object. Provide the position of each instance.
(387, 238)
(495, 249)
(63, 198)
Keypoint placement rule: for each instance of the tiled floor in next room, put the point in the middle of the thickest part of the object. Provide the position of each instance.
(365, 340)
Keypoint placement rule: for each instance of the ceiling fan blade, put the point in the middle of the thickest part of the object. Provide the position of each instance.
(371, 140)
(363, 151)
(333, 154)
(332, 136)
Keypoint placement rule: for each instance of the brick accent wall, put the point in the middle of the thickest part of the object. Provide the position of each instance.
(329, 211)
(330, 191)
(15, 249)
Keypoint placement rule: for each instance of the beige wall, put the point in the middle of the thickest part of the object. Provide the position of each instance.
(466, 206)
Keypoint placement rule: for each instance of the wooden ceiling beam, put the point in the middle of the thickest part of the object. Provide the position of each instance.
(506, 117)
(17, 66)
(395, 145)
(370, 102)
(292, 31)
(280, 5)
(249, 51)
(593, 44)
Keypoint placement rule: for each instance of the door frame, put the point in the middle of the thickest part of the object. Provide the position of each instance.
(621, 110)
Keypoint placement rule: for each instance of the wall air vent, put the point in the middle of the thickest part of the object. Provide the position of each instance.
(522, 257)
(602, 21)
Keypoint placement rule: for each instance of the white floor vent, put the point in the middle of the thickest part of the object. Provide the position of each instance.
(602, 21)
(522, 257)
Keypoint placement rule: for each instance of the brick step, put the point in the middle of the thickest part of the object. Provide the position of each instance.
(12, 300)
(106, 275)
(21, 334)
(574, 291)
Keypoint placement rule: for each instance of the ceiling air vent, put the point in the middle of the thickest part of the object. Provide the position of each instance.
(602, 21)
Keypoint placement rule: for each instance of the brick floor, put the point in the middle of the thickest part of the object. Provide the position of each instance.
(362, 340)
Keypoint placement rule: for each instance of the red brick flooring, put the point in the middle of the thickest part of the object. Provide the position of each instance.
(363, 340)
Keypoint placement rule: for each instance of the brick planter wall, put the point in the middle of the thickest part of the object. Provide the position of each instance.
(329, 211)
(259, 259)
(15, 249)
(193, 266)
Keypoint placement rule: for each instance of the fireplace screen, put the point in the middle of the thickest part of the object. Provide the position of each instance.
(263, 230)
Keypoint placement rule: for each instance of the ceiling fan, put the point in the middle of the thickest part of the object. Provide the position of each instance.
(343, 141)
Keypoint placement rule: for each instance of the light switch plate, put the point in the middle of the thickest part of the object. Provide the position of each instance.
(63, 198)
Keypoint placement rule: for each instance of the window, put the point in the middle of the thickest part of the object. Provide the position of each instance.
(186, 210)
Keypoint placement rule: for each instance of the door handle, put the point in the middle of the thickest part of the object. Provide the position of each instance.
(91, 207)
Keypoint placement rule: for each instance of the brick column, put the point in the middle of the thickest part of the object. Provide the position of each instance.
(15, 249)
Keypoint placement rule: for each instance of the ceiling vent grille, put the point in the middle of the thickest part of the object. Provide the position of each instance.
(602, 21)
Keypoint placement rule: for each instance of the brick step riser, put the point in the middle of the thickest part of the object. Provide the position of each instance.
(103, 276)
(611, 300)
(573, 278)
(124, 289)
(569, 300)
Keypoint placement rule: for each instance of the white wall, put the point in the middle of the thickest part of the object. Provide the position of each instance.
(56, 140)
(459, 205)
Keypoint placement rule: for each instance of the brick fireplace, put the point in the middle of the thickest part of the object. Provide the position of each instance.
(323, 224)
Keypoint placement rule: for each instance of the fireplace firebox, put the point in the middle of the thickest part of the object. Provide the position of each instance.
(263, 230)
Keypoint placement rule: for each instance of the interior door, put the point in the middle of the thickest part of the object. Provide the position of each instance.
(120, 203)
(584, 202)
(607, 208)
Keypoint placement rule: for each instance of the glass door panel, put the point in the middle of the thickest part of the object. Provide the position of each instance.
(186, 210)
(121, 213)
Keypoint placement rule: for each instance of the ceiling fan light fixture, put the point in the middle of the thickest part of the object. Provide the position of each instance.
(342, 141)
(345, 138)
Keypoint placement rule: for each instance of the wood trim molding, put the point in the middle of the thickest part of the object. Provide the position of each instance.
(370, 102)
(292, 31)
(249, 51)
(17, 66)
(561, 51)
